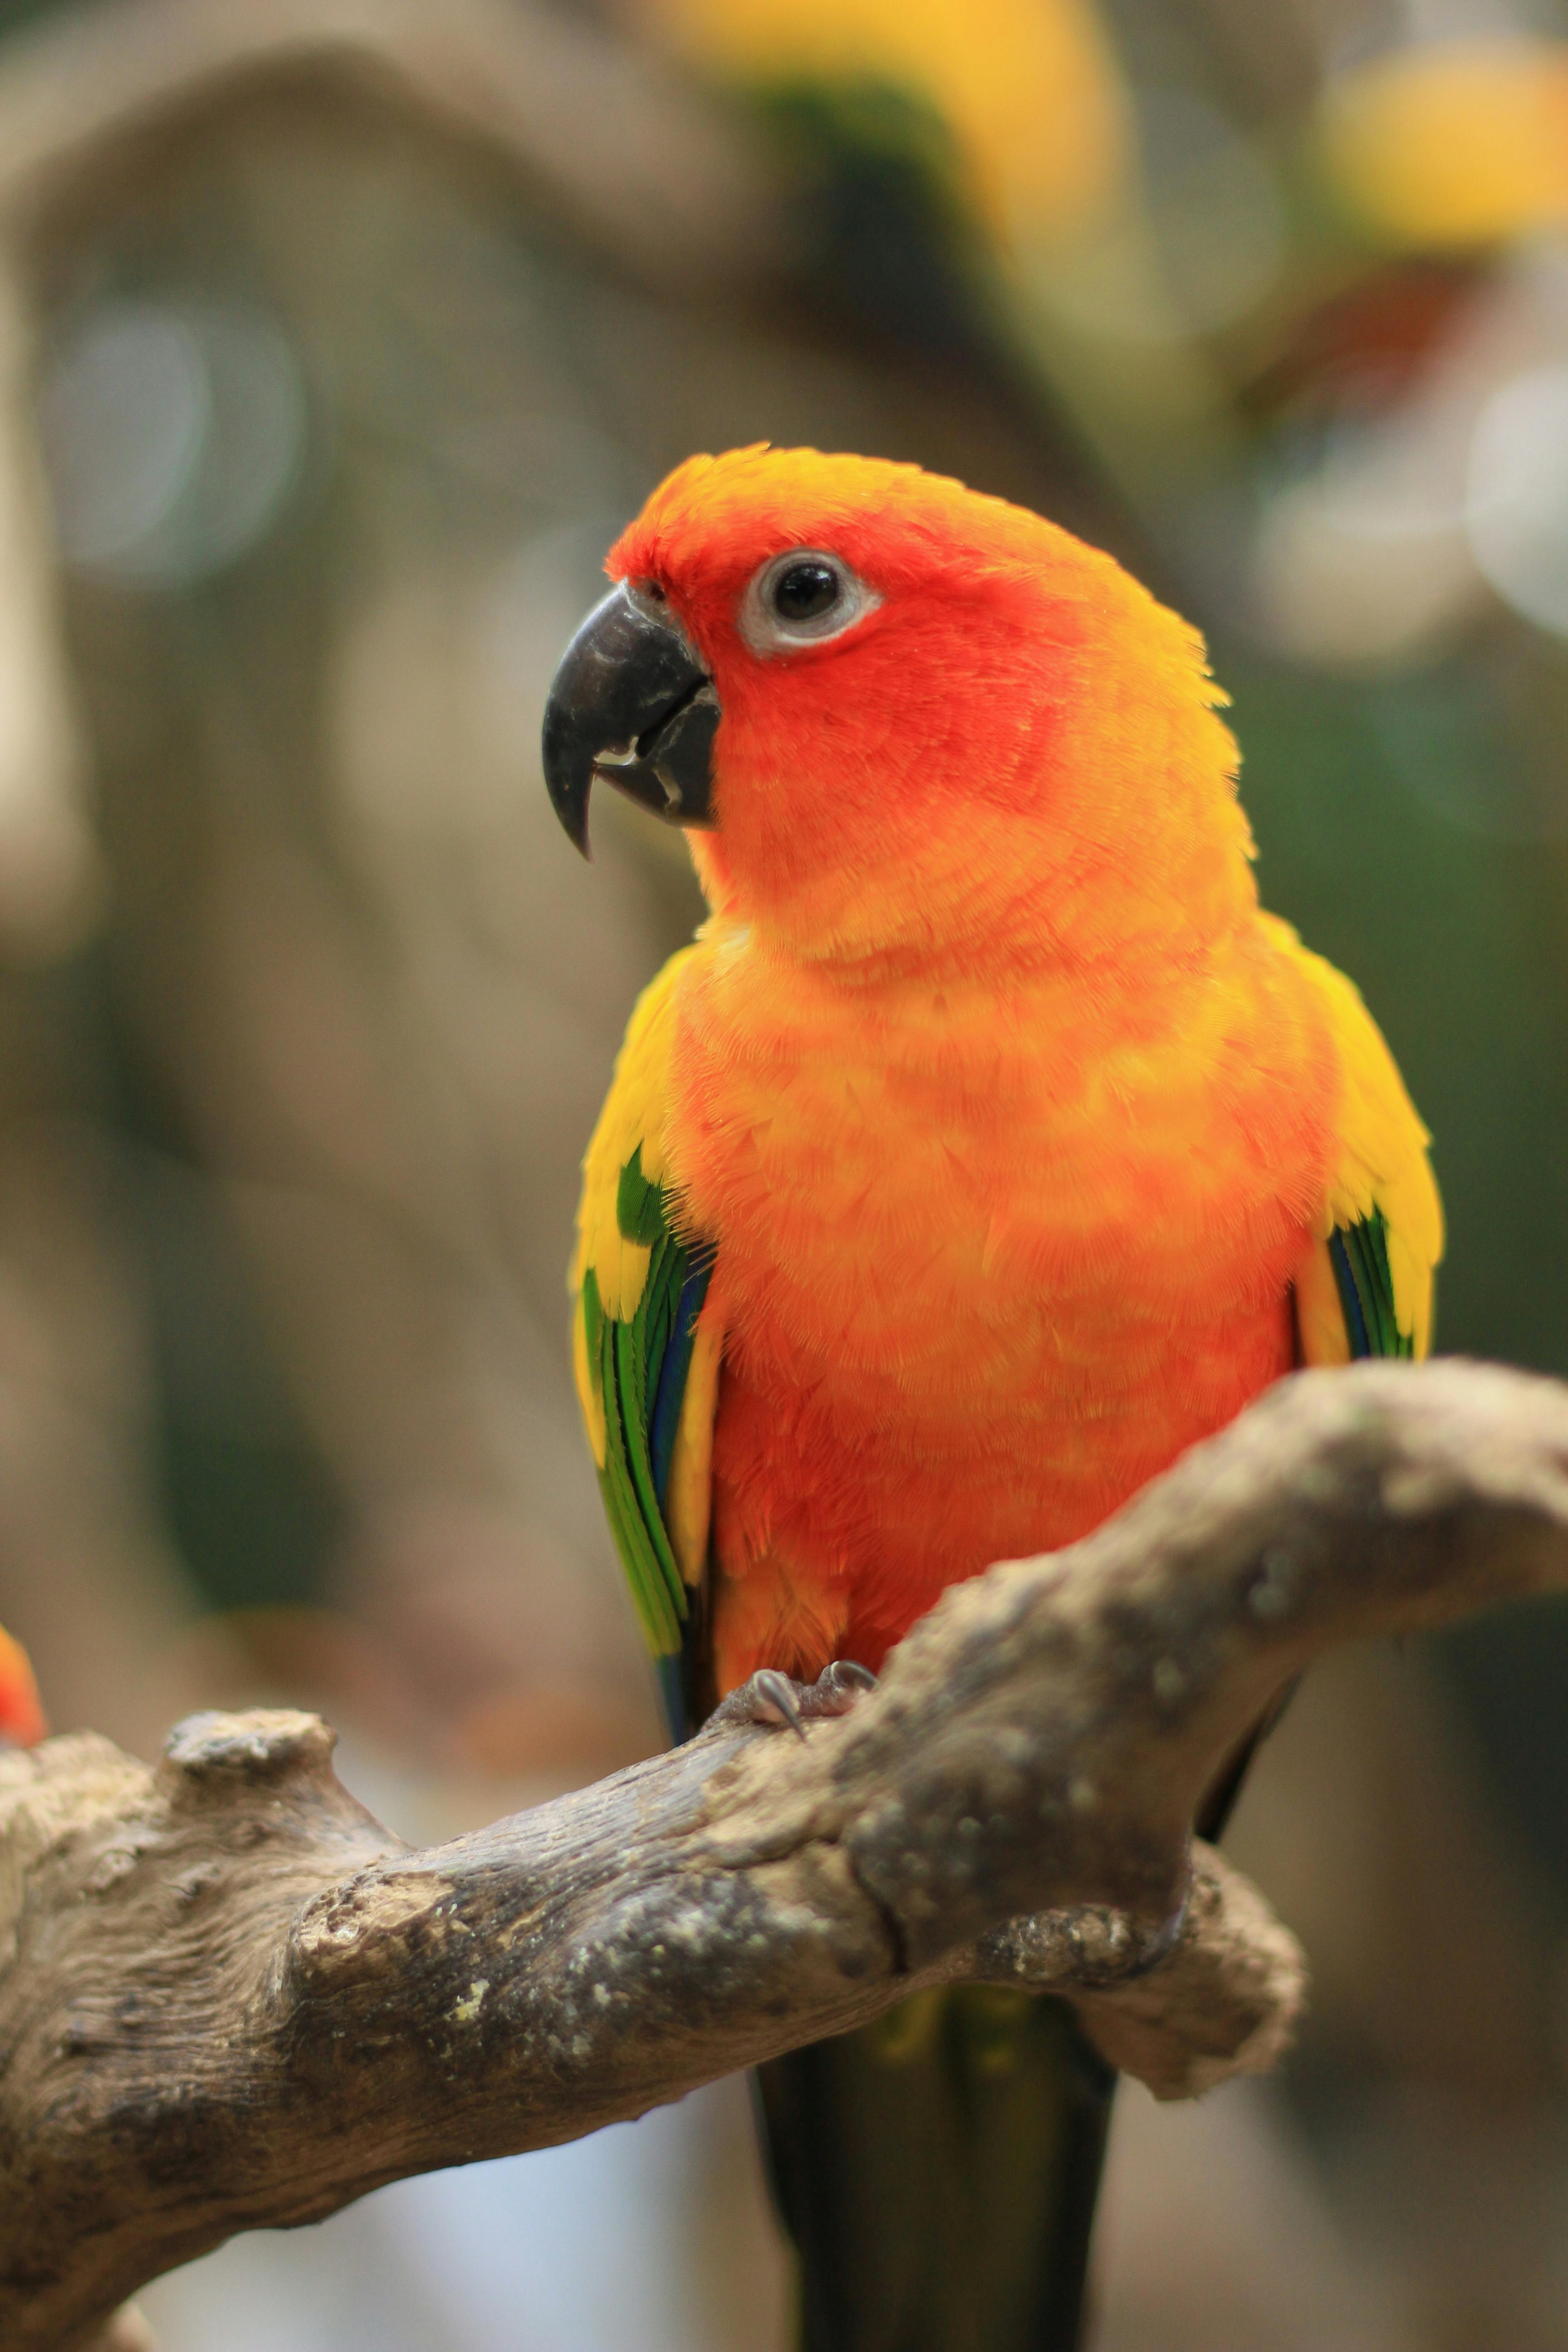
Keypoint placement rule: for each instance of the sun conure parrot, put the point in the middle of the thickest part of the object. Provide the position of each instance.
(989, 1147)
(21, 1723)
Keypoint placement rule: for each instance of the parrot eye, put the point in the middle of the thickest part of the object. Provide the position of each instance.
(804, 592)
(802, 598)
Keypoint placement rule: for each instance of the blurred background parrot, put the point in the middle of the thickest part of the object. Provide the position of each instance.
(21, 1716)
(989, 1147)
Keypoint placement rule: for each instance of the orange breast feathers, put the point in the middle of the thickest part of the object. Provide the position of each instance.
(990, 1257)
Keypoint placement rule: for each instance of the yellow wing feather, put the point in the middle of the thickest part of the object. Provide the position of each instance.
(1383, 1168)
(634, 1115)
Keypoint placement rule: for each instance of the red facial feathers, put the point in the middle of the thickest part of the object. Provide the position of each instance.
(1014, 755)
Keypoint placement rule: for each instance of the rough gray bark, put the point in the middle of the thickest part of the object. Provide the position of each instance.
(229, 1998)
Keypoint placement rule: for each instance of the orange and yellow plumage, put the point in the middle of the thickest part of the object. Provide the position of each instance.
(1016, 1131)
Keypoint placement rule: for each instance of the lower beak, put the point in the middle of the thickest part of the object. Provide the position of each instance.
(632, 703)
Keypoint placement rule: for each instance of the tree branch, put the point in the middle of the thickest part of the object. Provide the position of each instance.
(228, 1999)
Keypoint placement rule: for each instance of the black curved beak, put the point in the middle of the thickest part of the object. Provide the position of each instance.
(632, 703)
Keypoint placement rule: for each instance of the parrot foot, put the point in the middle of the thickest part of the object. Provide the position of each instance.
(774, 1700)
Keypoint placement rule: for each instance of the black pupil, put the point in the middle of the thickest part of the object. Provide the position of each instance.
(804, 592)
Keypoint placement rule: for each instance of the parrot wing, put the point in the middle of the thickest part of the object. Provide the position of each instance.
(648, 1375)
(1367, 1288)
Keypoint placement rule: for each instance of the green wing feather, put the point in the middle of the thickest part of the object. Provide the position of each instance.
(1359, 1254)
(639, 1370)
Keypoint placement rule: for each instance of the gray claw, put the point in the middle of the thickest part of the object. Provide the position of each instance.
(848, 1671)
(777, 1691)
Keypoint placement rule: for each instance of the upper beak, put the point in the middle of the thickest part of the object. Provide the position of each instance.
(632, 703)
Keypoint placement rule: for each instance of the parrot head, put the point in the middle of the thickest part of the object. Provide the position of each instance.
(900, 718)
(21, 1716)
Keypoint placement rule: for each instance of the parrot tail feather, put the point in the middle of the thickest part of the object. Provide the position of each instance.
(938, 2173)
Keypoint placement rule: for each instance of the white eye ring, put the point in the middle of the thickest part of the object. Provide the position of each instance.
(769, 628)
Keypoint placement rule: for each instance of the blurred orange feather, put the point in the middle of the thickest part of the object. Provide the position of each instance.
(22, 1718)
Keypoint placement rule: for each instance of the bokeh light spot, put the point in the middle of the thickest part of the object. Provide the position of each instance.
(1517, 509)
(172, 432)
